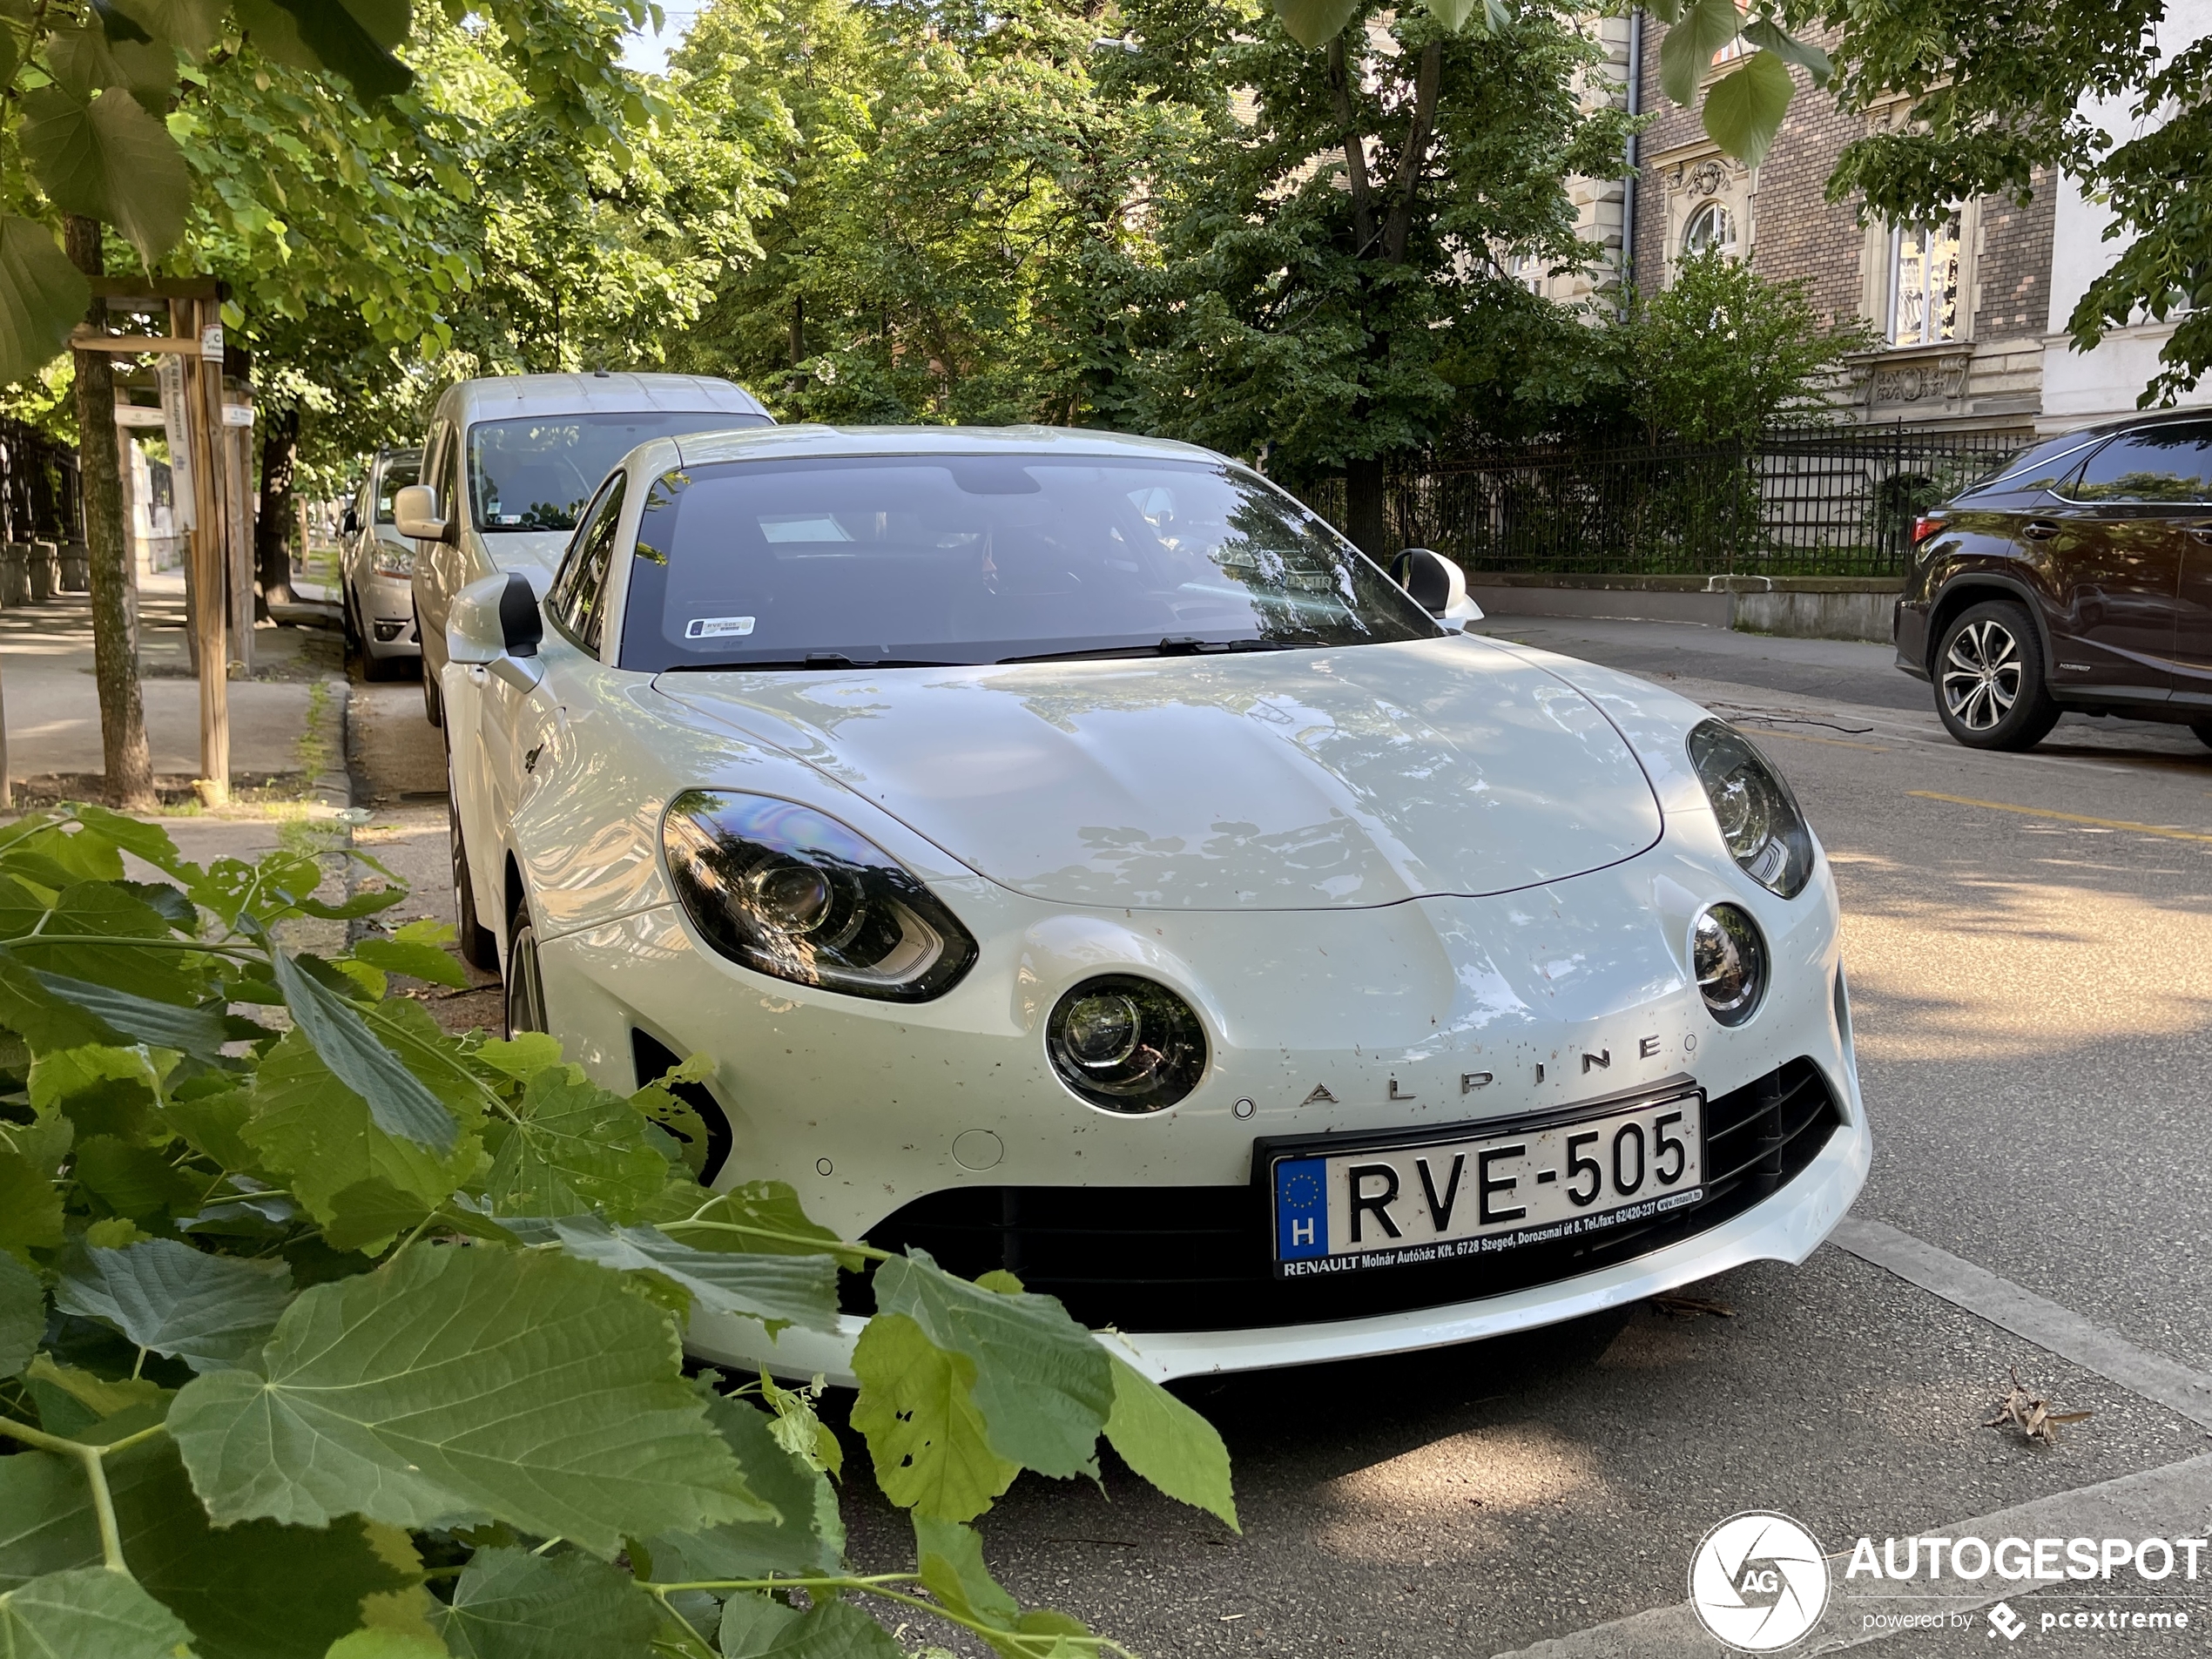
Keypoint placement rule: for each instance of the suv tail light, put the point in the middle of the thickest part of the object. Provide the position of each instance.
(1924, 527)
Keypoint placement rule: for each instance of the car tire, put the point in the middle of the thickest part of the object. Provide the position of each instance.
(525, 988)
(1991, 690)
(478, 947)
(381, 668)
(434, 702)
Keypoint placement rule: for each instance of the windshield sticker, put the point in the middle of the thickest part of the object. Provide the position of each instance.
(716, 627)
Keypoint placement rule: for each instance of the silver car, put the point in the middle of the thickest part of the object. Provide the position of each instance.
(510, 463)
(377, 565)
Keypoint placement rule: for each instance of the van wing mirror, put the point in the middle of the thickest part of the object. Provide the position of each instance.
(496, 624)
(1437, 584)
(415, 509)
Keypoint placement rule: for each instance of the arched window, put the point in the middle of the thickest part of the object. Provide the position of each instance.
(1712, 228)
(1925, 282)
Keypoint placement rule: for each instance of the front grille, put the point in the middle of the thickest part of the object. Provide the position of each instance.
(1197, 1259)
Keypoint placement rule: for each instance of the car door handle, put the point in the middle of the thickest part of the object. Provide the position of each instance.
(2039, 529)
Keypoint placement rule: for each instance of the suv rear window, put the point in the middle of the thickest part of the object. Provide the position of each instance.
(2153, 464)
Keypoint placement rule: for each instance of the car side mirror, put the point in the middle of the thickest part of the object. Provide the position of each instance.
(415, 511)
(351, 524)
(495, 625)
(1438, 585)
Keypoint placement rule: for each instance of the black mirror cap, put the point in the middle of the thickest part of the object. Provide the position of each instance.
(521, 624)
(1423, 574)
(351, 524)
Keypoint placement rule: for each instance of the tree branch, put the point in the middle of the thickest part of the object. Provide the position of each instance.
(1411, 161)
(1355, 146)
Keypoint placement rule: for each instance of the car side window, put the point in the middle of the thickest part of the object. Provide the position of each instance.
(579, 592)
(2159, 465)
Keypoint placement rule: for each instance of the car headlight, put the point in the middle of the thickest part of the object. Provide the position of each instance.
(1758, 816)
(1126, 1044)
(788, 891)
(388, 560)
(1730, 959)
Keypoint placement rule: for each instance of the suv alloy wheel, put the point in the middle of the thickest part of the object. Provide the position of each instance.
(1991, 690)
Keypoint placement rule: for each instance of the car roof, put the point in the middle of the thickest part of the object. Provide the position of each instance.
(507, 396)
(782, 443)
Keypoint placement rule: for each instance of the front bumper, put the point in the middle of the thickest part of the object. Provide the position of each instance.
(1786, 1227)
(384, 606)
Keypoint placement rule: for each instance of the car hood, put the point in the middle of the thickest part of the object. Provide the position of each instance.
(520, 549)
(1282, 780)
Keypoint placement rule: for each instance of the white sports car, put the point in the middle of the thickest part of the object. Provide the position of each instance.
(1076, 858)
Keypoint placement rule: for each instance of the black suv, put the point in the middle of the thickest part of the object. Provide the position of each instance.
(2079, 576)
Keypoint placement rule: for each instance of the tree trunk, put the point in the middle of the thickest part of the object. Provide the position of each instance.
(115, 671)
(1365, 520)
(272, 521)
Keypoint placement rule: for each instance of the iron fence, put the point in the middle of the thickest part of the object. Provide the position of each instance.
(1832, 503)
(41, 496)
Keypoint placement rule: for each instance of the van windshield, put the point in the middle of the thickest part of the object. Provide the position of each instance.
(930, 559)
(535, 473)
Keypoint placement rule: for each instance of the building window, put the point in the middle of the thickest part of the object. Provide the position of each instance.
(1711, 228)
(1527, 270)
(1923, 283)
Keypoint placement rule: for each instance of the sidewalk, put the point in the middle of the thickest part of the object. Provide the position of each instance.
(286, 722)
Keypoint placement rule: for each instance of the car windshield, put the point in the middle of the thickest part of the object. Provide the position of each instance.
(536, 473)
(399, 473)
(924, 559)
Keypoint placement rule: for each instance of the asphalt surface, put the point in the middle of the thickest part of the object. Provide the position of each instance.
(2030, 965)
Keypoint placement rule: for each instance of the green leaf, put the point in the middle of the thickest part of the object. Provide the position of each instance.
(1042, 1382)
(574, 1147)
(1744, 110)
(464, 1384)
(1453, 14)
(754, 1627)
(253, 1591)
(136, 1019)
(30, 1210)
(806, 1534)
(778, 1290)
(386, 1644)
(194, 25)
(110, 160)
(23, 1315)
(43, 296)
(1313, 23)
(1764, 31)
(522, 1057)
(85, 60)
(950, 1559)
(99, 1396)
(511, 1604)
(318, 1134)
(352, 37)
(1169, 1445)
(211, 1311)
(408, 956)
(135, 1181)
(148, 842)
(917, 1408)
(396, 1097)
(102, 1090)
(1686, 54)
(88, 1613)
(771, 1206)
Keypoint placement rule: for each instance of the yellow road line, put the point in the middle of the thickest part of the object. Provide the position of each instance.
(2064, 818)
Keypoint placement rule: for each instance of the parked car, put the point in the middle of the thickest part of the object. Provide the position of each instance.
(510, 462)
(1075, 858)
(376, 565)
(2079, 577)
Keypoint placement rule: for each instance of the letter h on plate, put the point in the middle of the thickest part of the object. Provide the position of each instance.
(1301, 1209)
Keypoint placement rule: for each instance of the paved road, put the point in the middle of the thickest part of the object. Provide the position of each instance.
(2028, 941)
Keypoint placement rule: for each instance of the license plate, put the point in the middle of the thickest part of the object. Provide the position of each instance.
(1444, 1199)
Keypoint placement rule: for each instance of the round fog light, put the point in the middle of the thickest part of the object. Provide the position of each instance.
(1126, 1044)
(1730, 959)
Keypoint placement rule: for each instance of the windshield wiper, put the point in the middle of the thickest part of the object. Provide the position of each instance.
(1173, 645)
(816, 659)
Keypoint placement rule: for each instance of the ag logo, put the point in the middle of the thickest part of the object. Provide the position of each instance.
(1758, 1581)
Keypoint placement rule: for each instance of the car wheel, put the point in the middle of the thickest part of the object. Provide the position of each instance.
(525, 989)
(381, 668)
(434, 702)
(1990, 689)
(478, 947)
